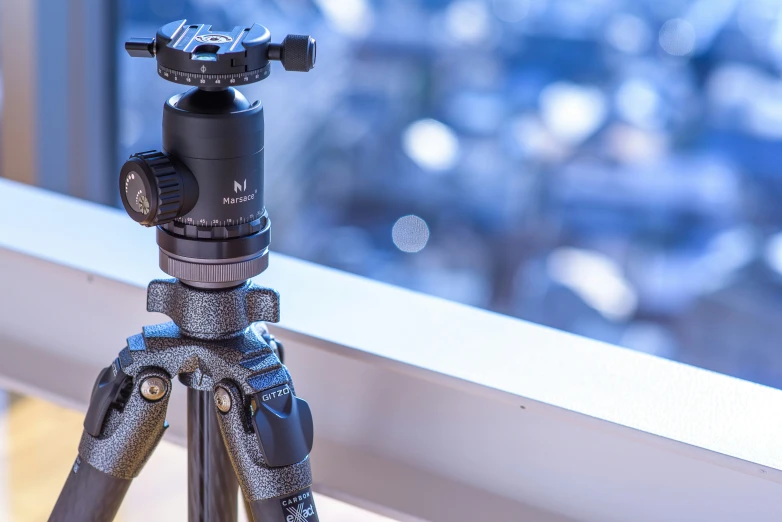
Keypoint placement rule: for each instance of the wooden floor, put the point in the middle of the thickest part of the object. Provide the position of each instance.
(38, 443)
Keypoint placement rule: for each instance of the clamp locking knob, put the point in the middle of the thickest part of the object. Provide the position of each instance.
(297, 52)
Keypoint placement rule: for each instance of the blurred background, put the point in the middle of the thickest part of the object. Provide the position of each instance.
(605, 167)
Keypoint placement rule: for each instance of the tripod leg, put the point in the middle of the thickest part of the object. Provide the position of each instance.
(269, 437)
(124, 423)
(89, 494)
(212, 486)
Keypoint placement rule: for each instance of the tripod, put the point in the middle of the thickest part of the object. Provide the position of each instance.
(204, 193)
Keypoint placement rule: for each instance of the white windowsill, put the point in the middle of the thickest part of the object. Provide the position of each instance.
(542, 394)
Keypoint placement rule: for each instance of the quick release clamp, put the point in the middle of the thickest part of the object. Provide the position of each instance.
(198, 56)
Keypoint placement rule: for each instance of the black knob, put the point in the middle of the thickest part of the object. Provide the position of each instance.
(141, 47)
(154, 191)
(297, 52)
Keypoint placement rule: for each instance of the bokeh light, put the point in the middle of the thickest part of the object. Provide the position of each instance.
(511, 10)
(595, 278)
(410, 234)
(773, 252)
(572, 112)
(628, 33)
(638, 102)
(431, 144)
(467, 21)
(350, 17)
(677, 37)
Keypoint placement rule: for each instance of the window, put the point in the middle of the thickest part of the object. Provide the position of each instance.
(606, 168)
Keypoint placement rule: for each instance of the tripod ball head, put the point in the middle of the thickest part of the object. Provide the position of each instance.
(204, 189)
(195, 55)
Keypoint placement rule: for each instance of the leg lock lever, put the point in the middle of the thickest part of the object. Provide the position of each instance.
(283, 424)
(112, 390)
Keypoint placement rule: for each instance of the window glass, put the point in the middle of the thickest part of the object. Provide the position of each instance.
(606, 167)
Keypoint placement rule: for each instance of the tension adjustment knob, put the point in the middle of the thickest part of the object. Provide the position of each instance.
(153, 190)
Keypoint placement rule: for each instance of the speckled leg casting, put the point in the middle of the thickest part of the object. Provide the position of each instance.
(211, 340)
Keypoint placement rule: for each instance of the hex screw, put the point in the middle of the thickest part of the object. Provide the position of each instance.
(222, 399)
(153, 388)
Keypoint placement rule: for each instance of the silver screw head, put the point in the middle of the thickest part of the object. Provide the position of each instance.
(153, 388)
(222, 399)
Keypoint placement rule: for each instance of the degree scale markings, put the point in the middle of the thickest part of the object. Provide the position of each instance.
(231, 78)
(218, 222)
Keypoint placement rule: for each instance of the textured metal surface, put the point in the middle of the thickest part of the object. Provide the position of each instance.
(245, 358)
(129, 436)
(257, 480)
(213, 314)
(212, 486)
(224, 272)
(89, 495)
(210, 341)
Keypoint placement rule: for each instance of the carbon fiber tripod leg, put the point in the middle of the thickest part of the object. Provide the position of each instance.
(212, 487)
(124, 424)
(89, 495)
(269, 451)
